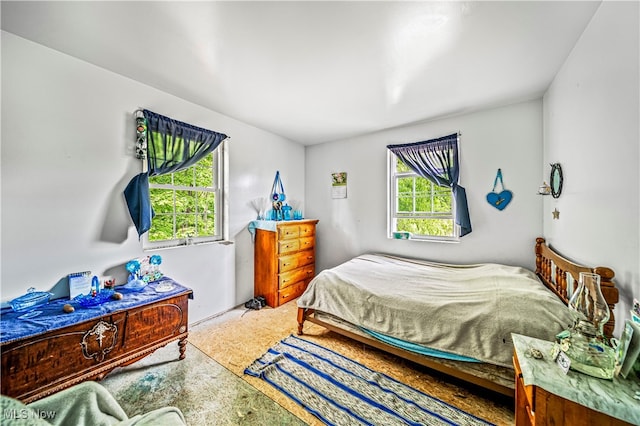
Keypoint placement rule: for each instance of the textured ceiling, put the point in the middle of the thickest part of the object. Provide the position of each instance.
(319, 71)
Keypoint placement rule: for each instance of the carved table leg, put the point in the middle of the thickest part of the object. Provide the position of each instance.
(182, 346)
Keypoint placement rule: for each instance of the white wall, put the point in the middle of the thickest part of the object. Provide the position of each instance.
(509, 138)
(591, 128)
(67, 154)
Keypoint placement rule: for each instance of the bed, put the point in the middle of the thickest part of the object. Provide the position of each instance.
(456, 319)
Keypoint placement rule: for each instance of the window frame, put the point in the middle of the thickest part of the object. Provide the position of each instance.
(219, 189)
(392, 205)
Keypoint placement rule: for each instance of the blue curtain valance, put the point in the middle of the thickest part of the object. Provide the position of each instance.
(437, 160)
(172, 146)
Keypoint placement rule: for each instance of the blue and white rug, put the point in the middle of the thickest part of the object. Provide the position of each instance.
(342, 392)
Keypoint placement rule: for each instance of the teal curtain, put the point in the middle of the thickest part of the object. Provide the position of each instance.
(172, 146)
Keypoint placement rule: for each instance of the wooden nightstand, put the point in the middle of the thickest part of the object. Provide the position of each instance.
(546, 396)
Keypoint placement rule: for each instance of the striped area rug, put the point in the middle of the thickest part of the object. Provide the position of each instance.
(342, 392)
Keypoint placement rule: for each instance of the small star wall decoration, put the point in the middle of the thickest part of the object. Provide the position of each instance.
(556, 214)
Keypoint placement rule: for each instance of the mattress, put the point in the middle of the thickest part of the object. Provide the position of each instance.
(465, 310)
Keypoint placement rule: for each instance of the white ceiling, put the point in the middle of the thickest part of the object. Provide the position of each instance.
(319, 71)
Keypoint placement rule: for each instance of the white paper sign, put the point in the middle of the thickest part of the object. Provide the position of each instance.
(79, 283)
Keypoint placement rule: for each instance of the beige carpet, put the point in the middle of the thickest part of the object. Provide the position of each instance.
(238, 337)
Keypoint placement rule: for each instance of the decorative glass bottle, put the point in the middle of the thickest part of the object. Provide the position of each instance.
(586, 346)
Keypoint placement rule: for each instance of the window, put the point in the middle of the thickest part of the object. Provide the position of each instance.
(418, 206)
(189, 204)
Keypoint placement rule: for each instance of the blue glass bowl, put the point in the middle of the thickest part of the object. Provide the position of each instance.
(87, 301)
(32, 299)
(135, 285)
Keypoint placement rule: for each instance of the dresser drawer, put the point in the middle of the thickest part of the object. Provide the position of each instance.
(307, 243)
(288, 278)
(293, 261)
(291, 292)
(288, 246)
(288, 231)
(307, 230)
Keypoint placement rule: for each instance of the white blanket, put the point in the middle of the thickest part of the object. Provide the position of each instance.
(469, 310)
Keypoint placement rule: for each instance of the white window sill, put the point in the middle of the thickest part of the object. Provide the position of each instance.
(204, 243)
(426, 239)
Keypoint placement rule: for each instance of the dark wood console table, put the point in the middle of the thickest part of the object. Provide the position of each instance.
(60, 350)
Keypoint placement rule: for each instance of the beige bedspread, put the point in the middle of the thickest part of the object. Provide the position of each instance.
(469, 310)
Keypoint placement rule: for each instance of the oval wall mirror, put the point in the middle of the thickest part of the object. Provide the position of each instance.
(556, 180)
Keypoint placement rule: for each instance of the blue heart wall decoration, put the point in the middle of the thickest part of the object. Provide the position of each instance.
(502, 199)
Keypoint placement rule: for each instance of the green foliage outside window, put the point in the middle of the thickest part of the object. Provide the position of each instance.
(184, 203)
(430, 227)
(422, 208)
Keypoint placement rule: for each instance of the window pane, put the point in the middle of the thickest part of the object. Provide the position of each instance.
(162, 228)
(423, 195)
(405, 205)
(162, 201)
(401, 167)
(184, 178)
(206, 203)
(434, 227)
(185, 202)
(186, 205)
(160, 180)
(405, 186)
(405, 194)
(185, 226)
(162, 224)
(423, 203)
(442, 201)
(203, 172)
(420, 207)
(205, 219)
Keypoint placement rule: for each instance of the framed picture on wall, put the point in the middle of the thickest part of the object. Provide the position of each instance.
(339, 185)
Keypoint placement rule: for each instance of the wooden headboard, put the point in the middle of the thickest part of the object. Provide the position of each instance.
(552, 270)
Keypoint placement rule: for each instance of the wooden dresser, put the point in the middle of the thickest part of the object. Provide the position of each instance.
(534, 405)
(123, 332)
(284, 260)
